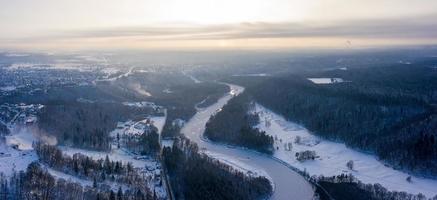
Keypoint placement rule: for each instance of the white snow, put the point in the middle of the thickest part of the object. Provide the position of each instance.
(239, 165)
(14, 160)
(253, 75)
(137, 128)
(56, 65)
(158, 122)
(115, 155)
(167, 90)
(16, 152)
(8, 88)
(69, 177)
(167, 143)
(334, 156)
(142, 104)
(83, 182)
(16, 55)
(326, 80)
(109, 70)
(128, 73)
(22, 137)
(404, 62)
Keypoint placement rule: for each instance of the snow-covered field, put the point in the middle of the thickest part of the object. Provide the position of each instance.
(142, 104)
(14, 160)
(253, 75)
(334, 156)
(8, 88)
(84, 182)
(22, 137)
(115, 155)
(137, 128)
(238, 165)
(167, 143)
(56, 65)
(326, 80)
(158, 122)
(16, 152)
(69, 177)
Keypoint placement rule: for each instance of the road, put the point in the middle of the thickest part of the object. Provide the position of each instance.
(288, 184)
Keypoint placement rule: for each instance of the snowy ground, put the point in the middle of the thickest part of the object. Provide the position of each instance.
(167, 143)
(326, 80)
(238, 165)
(147, 166)
(14, 160)
(158, 122)
(334, 156)
(84, 182)
(253, 75)
(8, 88)
(137, 127)
(69, 177)
(142, 104)
(16, 152)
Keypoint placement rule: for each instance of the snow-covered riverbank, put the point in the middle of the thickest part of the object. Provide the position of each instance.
(334, 156)
(287, 183)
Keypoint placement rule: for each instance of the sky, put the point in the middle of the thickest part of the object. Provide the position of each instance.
(215, 24)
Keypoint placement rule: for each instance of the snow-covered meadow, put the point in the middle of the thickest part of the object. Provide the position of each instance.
(326, 80)
(16, 151)
(238, 165)
(333, 156)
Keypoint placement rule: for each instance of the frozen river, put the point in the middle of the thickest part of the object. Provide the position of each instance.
(287, 183)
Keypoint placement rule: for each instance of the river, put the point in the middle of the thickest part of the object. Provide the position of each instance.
(288, 184)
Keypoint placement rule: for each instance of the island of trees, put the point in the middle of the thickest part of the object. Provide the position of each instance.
(234, 124)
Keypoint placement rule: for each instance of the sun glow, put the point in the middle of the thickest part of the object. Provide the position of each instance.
(214, 23)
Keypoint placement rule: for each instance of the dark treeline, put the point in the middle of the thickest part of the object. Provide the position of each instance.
(3, 129)
(97, 171)
(194, 175)
(345, 187)
(389, 111)
(234, 125)
(37, 183)
(86, 125)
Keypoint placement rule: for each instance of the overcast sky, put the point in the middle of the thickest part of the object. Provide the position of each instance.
(148, 24)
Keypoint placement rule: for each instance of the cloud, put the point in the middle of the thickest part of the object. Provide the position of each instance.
(420, 28)
(424, 27)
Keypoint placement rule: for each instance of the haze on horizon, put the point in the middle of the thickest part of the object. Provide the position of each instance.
(215, 24)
